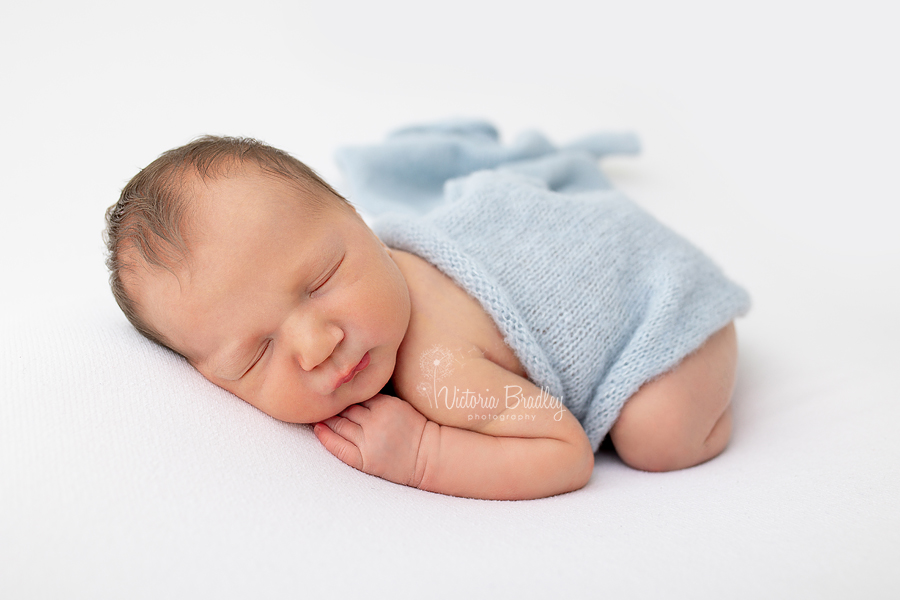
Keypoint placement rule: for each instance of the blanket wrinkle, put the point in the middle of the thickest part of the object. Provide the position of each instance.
(408, 171)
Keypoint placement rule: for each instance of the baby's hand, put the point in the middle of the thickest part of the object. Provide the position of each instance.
(380, 436)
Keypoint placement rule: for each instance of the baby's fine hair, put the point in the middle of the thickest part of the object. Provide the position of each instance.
(145, 225)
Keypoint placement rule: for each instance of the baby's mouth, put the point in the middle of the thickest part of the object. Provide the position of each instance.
(363, 363)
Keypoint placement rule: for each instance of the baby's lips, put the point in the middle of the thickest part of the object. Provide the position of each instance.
(362, 364)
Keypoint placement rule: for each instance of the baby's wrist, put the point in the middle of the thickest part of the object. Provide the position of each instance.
(427, 456)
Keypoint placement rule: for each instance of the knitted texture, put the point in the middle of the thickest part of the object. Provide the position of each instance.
(593, 295)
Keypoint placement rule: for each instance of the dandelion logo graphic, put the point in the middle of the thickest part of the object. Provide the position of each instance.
(436, 363)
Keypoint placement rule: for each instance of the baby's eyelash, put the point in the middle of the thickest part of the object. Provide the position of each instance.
(258, 357)
(329, 275)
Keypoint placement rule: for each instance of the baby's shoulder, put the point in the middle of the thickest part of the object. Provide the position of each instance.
(445, 322)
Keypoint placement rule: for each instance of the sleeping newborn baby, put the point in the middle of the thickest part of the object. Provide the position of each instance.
(483, 349)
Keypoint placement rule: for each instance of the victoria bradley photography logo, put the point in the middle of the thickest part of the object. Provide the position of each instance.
(438, 363)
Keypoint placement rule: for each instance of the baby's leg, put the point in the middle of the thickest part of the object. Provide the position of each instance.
(682, 418)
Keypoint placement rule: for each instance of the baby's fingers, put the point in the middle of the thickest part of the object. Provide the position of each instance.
(333, 433)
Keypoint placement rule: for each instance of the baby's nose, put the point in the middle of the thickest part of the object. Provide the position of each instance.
(317, 344)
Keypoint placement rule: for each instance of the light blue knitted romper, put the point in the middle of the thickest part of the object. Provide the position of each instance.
(593, 295)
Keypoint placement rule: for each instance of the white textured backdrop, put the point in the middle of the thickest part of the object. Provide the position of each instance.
(771, 140)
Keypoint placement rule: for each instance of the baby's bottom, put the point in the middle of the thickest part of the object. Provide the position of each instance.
(683, 417)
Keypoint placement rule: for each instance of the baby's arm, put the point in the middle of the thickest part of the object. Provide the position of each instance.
(513, 450)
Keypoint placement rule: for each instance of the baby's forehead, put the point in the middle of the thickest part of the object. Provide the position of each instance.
(249, 214)
(252, 188)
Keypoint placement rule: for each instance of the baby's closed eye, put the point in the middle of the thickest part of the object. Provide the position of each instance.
(259, 355)
(328, 277)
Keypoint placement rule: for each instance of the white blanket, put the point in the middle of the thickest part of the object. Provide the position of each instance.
(126, 474)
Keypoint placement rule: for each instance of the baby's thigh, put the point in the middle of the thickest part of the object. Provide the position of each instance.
(683, 417)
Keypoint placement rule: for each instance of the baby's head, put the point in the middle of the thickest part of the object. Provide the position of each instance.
(241, 259)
